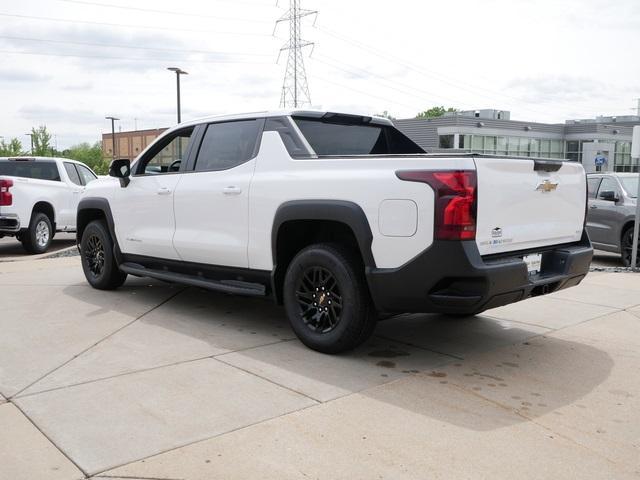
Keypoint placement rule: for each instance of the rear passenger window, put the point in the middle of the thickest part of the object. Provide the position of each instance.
(592, 186)
(226, 145)
(72, 172)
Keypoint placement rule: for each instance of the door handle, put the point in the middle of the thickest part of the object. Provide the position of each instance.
(163, 191)
(232, 190)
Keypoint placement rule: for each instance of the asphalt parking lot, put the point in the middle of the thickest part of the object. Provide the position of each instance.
(158, 381)
(11, 249)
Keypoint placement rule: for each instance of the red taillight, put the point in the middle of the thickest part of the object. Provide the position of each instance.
(6, 198)
(455, 201)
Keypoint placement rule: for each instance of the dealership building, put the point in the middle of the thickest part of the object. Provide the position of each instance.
(601, 144)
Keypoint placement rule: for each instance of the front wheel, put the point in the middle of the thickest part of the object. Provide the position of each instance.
(98, 262)
(327, 299)
(627, 246)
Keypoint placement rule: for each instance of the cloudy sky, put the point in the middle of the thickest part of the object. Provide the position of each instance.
(67, 64)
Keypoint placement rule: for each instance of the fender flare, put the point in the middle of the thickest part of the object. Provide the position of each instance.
(348, 213)
(102, 204)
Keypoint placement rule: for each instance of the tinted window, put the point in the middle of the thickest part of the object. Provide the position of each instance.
(30, 169)
(86, 174)
(608, 185)
(328, 138)
(226, 145)
(73, 174)
(630, 185)
(592, 186)
(167, 154)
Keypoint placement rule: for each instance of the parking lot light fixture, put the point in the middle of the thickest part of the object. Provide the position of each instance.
(113, 136)
(178, 71)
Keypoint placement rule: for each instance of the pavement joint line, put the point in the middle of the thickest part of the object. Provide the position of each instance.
(390, 339)
(516, 321)
(318, 402)
(56, 446)
(97, 343)
(200, 440)
(141, 370)
(129, 477)
(588, 303)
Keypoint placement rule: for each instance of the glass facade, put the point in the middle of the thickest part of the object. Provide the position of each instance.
(538, 147)
(504, 145)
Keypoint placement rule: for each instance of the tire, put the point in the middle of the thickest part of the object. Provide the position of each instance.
(37, 238)
(626, 246)
(335, 275)
(98, 262)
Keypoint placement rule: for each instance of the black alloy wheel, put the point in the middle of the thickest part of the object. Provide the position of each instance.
(319, 299)
(94, 255)
(627, 247)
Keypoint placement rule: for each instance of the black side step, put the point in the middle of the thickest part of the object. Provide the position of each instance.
(235, 287)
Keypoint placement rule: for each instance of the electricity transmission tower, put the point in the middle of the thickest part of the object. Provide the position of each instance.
(295, 89)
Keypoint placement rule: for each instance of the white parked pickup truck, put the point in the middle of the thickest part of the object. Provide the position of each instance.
(39, 197)
(338, 217)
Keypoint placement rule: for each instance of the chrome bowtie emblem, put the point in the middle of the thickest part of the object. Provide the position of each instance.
(546, 186)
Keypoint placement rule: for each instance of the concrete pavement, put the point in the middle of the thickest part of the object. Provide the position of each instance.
(166, 382)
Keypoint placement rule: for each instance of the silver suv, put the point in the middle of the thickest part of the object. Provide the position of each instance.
(612, 204)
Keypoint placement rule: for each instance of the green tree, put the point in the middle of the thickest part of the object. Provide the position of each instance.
(435, 112)
(41, 142)
(90, 155)
(11, 149)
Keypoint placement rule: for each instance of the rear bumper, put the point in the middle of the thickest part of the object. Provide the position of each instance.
(9, 224)
(452, 277)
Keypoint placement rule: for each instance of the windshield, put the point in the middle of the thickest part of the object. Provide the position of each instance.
(630, 185)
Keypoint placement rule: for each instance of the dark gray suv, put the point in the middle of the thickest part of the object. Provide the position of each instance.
(611, 213)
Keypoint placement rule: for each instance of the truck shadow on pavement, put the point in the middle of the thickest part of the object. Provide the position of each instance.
(476, 372)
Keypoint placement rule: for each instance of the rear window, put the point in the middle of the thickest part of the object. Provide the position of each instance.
(30, 169)
(337, 138)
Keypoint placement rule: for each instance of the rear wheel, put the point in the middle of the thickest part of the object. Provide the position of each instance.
(98, 262)
(627, 246)
(38, 236)
(327, 299)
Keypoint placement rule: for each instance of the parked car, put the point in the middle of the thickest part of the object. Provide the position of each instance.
(39, 197)
(338, 217)
(611, 215)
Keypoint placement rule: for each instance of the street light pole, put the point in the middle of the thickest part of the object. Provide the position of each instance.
(31, 138)
(113, 136)
(635, 154)
(178, 72)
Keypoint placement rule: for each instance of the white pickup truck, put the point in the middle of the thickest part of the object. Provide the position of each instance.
(339, 217)
(39, 197)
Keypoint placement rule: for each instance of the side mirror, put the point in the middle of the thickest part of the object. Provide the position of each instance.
(121, 169)
(609, 195)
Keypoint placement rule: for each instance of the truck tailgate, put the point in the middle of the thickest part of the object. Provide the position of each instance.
(523, 204)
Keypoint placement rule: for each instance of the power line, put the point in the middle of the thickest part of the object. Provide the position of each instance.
(442, 78)
(166, 12)
(384, 82)
(122, 25)
(109, 45)
(137, 59)
(363, 92)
